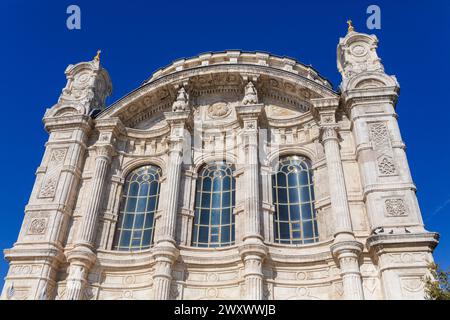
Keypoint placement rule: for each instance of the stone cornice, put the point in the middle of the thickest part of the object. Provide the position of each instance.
(240, 57)
(68, 122)
(353, 97)
(386, 241)
(383, 187)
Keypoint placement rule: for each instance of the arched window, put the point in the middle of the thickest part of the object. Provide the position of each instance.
(137, 211)
(214, 220)
(293, 197)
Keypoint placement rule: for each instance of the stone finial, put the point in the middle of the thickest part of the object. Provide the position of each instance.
(97, 57)
(182, 101)
(251, 95)
(350, 26)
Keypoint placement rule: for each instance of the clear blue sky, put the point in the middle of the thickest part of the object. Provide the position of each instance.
(138, 37)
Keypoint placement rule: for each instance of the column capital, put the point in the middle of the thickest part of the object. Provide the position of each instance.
(348, 247)
(109, 128)
(325, 104)
(257, 248)
(249, 115)
(178, 120)
(104, 151)
(165, 251)
(82, 254)
(329, 132)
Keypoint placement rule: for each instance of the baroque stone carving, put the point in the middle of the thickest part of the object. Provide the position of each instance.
(251, 95)
(49, 187)
(386, 166)
(182, 101)
(379, 135)
(57, 157)
(381, 142)
(38, 226)
(357, 53)
(219, 110)
(395, 207)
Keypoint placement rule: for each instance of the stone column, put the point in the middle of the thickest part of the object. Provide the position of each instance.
(345, 247)
(165, 251)
(82, 256)
(252, 249)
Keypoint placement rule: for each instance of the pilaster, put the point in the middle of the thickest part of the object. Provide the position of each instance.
(165, 250)
(82, 256)
(345, 247)
(252, 249)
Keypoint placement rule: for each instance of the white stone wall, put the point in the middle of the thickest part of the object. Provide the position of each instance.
(250, 109)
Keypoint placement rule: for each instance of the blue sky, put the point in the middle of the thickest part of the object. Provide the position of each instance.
(138, 37)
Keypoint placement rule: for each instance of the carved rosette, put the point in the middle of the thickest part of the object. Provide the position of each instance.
(395, 207)
(38, 226)
(219, 110)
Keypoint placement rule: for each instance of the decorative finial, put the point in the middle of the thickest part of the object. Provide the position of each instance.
(97, 57)
(250, 94)
(182, 101)
(350, 26)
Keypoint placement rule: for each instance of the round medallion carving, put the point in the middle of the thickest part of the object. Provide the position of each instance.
(219, 110)
(301, 275)
(129, 279)
(38, 226)
(212, 292)
(359, 50)
(302, 291)
(212, 277)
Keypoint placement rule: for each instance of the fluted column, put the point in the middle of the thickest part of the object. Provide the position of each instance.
(82, 256)
(252, 250)
(338, 190)
(172, 196)
(165, 251)
(345, 246)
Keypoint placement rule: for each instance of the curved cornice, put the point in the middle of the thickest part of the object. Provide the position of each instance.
(318, 87)
(241, 57)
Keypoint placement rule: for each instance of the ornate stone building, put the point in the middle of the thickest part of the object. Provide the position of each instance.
(231, 175)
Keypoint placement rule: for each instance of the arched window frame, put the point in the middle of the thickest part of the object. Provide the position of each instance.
(149, 213)
(304, 229)
(200, 208)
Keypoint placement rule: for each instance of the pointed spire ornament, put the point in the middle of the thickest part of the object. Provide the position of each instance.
(251, 95)
(182, 101)
(350, 26)
(97, 57)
